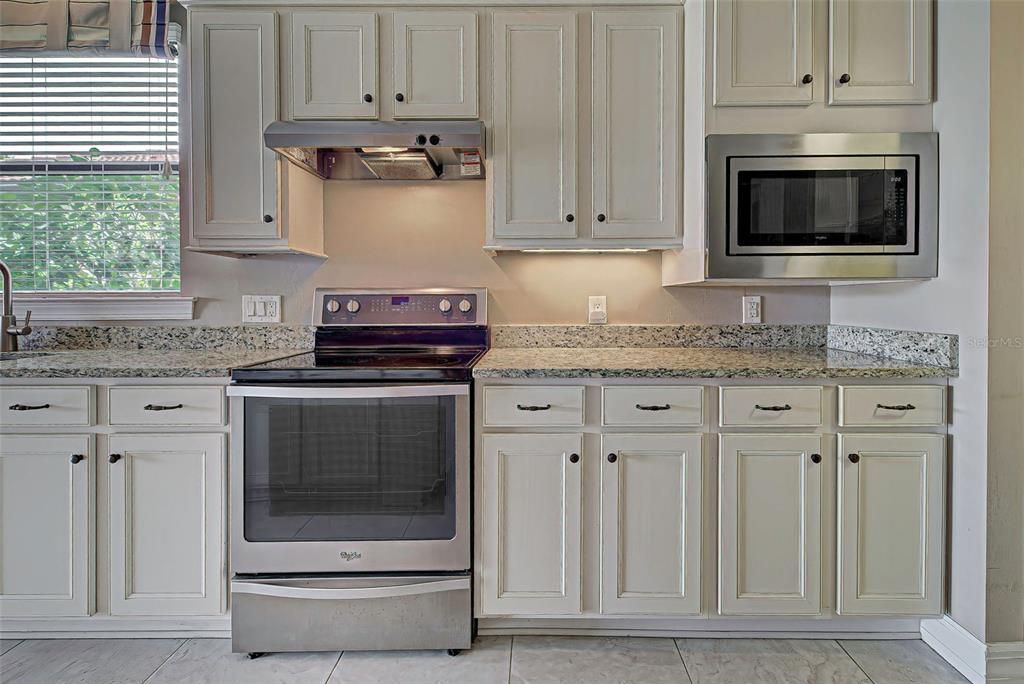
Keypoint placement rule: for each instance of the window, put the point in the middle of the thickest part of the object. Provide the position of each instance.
(89, 174)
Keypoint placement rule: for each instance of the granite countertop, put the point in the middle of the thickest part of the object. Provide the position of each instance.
(696, 362)
(136, 363)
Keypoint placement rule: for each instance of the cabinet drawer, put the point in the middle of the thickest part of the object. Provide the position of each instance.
(46, 406)
(531, 406)
(652, 406)
(768, 406)
(166, 406)
(897, 405)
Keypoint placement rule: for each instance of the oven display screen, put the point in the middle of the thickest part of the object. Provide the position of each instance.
(398, 301)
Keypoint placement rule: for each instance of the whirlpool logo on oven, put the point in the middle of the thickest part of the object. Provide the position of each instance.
(350, 555)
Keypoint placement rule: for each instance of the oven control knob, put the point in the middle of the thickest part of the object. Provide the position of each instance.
(445, 305)
(333, 305)
(465, 306)
(352, 306)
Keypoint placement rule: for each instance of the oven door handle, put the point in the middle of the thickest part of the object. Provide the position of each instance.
(366, 392)
(284, 590)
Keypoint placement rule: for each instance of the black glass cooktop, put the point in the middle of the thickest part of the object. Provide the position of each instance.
(360, 364)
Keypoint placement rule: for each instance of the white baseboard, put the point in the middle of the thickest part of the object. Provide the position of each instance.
(112, 627)
(980, 663)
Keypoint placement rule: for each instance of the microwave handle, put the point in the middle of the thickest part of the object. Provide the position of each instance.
(370, 392)
(286, 590)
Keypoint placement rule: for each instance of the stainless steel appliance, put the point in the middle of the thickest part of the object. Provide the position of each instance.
(350, 483)
(822, 206)
(10, 331)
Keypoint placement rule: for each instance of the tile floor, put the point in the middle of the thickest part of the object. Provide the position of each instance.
(493, 660)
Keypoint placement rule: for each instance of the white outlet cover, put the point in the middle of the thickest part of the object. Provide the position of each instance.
(261, 308)
(597, 309)
(752, 310)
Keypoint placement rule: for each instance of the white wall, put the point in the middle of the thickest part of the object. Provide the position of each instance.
(957, 301)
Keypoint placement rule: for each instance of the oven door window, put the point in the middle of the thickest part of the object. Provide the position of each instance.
(350, 469)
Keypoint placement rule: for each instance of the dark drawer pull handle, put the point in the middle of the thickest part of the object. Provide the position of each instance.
(158, 407)
(25, 407)
(653, 407)
(784, 407)
(854, 458)
(545, 407)
(114, 458)
(76, 458)
(897, 407)
(574, 458)
(815, 458)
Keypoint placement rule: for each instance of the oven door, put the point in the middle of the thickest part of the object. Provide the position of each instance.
(349, 479)
(822, 205)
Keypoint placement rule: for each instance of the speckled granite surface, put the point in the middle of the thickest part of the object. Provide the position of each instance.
(759, 336)
(935, 349)
(170, 337)
(121, 363)
(695, 362)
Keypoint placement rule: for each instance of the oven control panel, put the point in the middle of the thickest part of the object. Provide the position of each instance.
(412, 307)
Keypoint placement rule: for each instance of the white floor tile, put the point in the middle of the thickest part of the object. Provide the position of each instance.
(902, 662)
(768, 661)
(210, 661)
(485, 663)
(85, 661)
(594, 660)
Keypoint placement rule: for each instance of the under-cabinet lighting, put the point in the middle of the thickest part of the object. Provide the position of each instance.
(585, 250)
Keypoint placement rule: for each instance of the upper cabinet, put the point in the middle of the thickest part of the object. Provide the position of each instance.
(334, 65)
(435, 65)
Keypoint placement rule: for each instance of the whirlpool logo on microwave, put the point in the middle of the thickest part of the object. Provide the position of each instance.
(350, 555)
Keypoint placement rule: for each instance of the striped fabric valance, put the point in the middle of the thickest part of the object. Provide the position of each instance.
(94, 27)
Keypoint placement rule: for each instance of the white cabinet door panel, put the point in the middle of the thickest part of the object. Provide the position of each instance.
(891, 513)
(167, 522)
(635, 124)
(45, 525)
(651, 524)
(534, 129)
(762, 52)
(770, 525)
(531, 524)
(334, 65)
(435, 58)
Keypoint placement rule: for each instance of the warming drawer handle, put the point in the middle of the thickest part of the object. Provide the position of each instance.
(323, 593)
(369, 392)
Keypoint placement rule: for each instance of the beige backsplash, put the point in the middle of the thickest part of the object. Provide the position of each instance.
(431, 234)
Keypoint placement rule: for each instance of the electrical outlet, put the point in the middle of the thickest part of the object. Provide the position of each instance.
(752, 309)
(261, 308)
(597, 309)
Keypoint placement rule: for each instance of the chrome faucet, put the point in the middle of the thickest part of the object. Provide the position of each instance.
(9, 329)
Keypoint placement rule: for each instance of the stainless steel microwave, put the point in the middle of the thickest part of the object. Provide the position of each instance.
(827, 206)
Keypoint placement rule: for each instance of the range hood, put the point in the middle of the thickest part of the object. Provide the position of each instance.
(383, 150)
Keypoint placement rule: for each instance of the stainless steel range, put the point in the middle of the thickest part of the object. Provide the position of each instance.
(350, 478)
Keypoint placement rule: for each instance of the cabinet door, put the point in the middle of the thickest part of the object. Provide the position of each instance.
(890, 524)
(530, 510)
(234, 98)
(435, 65)
(880, 51)
(769, 554)
(650, 524)
(334, 65)
(762, 52)
(167, 524)
(534, 124)
(45, 525)
(636, 123)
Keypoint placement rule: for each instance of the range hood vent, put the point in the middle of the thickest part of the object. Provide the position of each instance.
(382, 150)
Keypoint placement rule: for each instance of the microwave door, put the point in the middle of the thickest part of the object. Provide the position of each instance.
(901, 205)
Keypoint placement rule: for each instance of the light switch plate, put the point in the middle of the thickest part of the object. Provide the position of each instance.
(597, 309)
(752, 312)
(261, 308)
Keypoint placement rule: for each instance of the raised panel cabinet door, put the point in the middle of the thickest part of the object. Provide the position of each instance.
(435, 57)
(167, 521)
(763, 52)
(46, 528)
(234, 98)
(534, 132)
(650, 524)
(530, 510)
(880, 51)
(636, 123)
(891, 521)
(334, 65)
(769, 546)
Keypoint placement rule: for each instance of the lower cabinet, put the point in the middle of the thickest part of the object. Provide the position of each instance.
(166, 524)
(891, 504)
(46, 528)
(769, 557)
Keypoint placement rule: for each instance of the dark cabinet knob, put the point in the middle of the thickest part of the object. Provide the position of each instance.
(267, 218)
(612, 458)
(399, 97)
(114, 458)
(421, 139)
(845, 78)
(815, 458)
(601, 218)
(854, 458)
(435, 139)
(574, 458)
(807, 79)
(367, 97)
(570, 218)
(76, 458)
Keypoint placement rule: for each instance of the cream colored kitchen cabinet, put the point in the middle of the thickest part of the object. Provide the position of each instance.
(530, 524)
(534, 127)
(880, 51)
(46, 518)
(635, 105)
(651, 524)
(891, 517)
(763, 52)
(167, 524)
(334, 65)
(435, 65)
(769, 551)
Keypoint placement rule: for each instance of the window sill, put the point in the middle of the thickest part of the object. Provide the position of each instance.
(80, 308)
